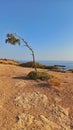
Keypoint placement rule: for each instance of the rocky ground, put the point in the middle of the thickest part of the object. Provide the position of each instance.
(35, 105)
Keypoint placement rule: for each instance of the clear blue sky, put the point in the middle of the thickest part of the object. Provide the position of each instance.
(46, 24)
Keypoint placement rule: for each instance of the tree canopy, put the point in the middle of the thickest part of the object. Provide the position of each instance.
(12, 39)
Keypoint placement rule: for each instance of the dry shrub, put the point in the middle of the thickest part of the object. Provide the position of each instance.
(55, 81)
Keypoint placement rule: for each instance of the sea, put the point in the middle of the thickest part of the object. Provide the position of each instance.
(64, 64)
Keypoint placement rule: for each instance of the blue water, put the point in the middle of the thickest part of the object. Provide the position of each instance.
(67, 64)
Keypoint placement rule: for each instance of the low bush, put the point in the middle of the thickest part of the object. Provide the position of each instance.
(70, 70)
(31, 64)
(54, 67)
(38, 75)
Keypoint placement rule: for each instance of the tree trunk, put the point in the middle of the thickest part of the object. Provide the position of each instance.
(29, 47)
(34, 63)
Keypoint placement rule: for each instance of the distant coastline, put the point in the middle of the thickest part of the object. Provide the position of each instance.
(67, 64)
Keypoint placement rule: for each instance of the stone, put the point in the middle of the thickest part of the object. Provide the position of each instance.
(31, 99)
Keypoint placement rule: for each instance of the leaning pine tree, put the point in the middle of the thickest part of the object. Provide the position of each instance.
(15, 39)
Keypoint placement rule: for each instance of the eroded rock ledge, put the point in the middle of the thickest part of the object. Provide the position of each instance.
(49, 117)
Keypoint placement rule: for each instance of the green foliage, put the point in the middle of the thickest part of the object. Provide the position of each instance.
(38, 75)
(12, 39)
